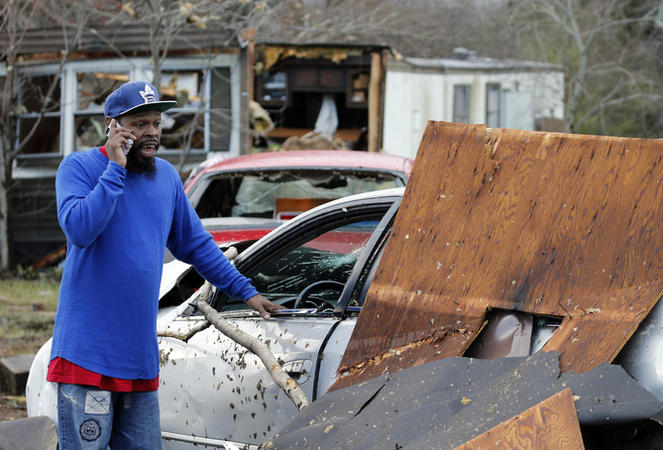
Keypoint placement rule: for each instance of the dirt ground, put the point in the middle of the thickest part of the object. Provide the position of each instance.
(12, 407)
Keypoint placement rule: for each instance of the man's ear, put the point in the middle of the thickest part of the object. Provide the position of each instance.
(108, 122)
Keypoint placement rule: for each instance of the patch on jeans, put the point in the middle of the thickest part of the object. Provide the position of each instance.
(97, 402)
(90, 430)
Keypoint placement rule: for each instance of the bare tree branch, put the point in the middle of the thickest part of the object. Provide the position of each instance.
(258, 348)
(590, 38)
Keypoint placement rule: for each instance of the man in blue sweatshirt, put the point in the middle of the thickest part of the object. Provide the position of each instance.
(120, 208)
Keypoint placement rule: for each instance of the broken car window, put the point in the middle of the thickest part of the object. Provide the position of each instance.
(329, 257)
(283, 195)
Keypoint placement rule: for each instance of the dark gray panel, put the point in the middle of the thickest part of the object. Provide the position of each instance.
(445, 403)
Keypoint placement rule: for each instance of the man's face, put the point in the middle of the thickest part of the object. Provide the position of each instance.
(146, 126)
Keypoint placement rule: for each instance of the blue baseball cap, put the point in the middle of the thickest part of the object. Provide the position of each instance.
(133, 97)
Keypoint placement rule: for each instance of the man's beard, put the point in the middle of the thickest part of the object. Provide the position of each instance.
(145, 166)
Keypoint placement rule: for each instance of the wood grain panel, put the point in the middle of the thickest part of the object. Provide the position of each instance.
(551, 424)
(547, 223)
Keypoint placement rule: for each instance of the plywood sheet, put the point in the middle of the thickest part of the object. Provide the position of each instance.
(551, 424)
(547, 223)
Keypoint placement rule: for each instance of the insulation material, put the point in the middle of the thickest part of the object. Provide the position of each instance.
(269, 55)
(545, 223)
(553, 423)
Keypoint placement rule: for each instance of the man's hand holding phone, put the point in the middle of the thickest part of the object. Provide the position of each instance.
(118, 143)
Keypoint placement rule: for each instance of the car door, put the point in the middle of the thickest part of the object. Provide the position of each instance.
(214, 391)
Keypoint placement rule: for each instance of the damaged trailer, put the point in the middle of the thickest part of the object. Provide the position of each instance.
(504, 243)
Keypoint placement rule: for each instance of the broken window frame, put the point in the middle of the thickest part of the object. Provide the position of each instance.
(197, 116)
(206, 110)
(25, 115)
(97, 111)
(137, 69)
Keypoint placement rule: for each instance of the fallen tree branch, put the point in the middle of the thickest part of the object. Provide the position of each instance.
(260, 349)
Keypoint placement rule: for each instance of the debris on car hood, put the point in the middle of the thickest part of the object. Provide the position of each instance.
(549, 224)
(446, 403)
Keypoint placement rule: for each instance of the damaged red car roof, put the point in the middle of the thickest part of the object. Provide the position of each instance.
(314, 159)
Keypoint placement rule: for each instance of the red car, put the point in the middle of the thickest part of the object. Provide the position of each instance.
(244, 198)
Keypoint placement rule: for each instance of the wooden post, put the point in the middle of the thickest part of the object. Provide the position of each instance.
(248, 35)
(374, 101)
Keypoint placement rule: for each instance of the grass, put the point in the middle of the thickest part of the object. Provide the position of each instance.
(27, 312)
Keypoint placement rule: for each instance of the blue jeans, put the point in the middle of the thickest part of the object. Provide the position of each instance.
(89, 418)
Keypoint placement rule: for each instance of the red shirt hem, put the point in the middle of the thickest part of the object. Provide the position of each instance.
(62, 371)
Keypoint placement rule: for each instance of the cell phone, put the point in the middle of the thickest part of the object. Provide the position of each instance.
(125, 150)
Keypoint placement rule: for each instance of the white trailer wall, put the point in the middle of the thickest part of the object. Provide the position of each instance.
(411, 99)
(415, 96)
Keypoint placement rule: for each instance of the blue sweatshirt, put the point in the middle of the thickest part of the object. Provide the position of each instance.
(118, 225)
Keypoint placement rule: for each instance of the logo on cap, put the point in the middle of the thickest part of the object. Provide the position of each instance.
(148, 94)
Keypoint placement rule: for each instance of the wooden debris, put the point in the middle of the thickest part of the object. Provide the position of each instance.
(551, 424)
(544, 223)
(51, 258)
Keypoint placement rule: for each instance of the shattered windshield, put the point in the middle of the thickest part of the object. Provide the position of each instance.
(330, 256)
(283, 195)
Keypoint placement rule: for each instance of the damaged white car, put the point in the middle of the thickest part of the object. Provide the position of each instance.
(212, 391)
(215, 393)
